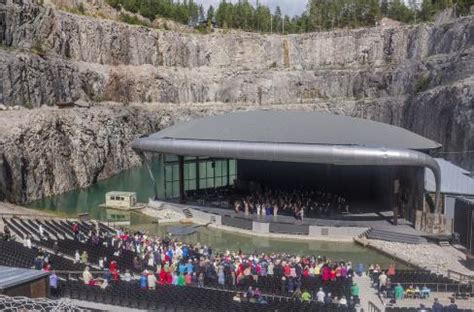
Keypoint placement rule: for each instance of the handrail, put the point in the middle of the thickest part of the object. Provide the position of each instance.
(373, 308)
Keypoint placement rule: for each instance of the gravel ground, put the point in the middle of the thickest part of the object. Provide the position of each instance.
(8, 208)
(430, 256)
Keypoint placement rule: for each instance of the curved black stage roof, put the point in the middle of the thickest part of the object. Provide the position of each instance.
(296, 127)
(307, 137)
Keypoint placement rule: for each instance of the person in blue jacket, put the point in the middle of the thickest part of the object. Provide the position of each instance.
(143, 281)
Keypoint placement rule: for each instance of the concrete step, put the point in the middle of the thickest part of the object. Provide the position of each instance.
(395, 237)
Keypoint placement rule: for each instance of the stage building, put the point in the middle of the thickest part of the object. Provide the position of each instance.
(376, 166)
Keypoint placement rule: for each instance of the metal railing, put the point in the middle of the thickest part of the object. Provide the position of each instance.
(372, 307)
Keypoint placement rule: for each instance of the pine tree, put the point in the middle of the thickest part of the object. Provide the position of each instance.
(202, 18)
(319, 14)
(315, 9)
(277, 21)
(384, 7)
(210, 14)
(427, 10)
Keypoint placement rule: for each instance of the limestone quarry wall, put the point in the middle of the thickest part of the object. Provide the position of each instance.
(418, 77)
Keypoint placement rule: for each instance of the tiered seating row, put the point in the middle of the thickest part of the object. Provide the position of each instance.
(16, 255)
(128, 294)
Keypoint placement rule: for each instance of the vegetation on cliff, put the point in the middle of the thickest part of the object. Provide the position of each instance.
(320, 14)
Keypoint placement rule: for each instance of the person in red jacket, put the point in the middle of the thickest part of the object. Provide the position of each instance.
(113, 266)
(306, 271)
(162, 277)
(326, 273)
(333, 274)
(115, 275)
(75, 230)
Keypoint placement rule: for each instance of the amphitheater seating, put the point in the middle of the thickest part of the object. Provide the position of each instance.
(16, 255)
(420, 278)
(268, 284)
(272, 285)
(68, 246)
(128, 294)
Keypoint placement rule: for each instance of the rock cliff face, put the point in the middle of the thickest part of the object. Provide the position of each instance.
(52, 151)
(418, 77)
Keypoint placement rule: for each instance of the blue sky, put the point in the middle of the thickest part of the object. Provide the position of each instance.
(288, 7)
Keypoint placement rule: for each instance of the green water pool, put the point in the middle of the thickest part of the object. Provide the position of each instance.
(223, 240)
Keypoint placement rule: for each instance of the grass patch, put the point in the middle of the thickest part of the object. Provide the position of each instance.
(79, 10)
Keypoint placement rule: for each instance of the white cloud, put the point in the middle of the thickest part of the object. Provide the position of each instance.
(288, 7)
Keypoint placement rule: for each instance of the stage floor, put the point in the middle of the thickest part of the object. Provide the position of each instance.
(379, 221)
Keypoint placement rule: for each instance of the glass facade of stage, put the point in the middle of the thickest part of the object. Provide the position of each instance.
(199, 173)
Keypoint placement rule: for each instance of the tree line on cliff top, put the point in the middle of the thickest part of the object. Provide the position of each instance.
(319, 14)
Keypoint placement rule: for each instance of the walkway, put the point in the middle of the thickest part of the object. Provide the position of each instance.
(367, 293)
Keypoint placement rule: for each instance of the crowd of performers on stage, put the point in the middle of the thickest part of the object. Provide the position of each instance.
(299, 203)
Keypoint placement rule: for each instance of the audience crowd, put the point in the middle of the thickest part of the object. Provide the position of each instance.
(163, 261)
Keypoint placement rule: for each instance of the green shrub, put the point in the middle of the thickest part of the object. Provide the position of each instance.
(28, 104)
(422, 84)
(202, 29)
(81, 8)
(131, 19)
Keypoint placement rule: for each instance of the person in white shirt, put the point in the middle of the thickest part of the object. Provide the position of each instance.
(151, 281)
(127, 276)
(382, 281)
(343, 301)
(87, 276)
(104, 284)
(28, 241)
(151, 260)
(320, 295)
